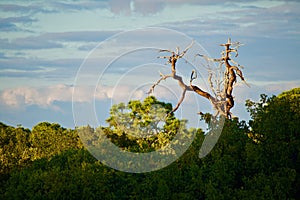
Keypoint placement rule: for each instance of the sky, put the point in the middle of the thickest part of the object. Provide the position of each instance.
(105, 52)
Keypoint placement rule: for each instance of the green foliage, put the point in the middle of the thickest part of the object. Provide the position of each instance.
(20, 146)
(14, 151)
(74, 174)
(259, 160)
(49, 139)
(224, 166)
(143, 126)
(273, 160)
(14, 147)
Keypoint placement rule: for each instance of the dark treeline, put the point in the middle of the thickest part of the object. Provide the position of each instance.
(255, 160)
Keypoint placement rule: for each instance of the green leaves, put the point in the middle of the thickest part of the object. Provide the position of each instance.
(48, 139)
(142, 126)
(14, 148)
(258, 160)
(273, 158)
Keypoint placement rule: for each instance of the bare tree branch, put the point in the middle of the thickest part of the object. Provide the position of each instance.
(172, 60)
(226, 82)
(221, 82)
(180, 101)
(163, 77)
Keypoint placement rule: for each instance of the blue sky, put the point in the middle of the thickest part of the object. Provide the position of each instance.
(44, 43)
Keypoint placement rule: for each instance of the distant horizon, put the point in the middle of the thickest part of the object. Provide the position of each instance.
(74, 127)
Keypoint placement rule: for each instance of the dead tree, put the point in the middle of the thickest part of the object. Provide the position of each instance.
(229, 78)
(172, 61)
(221, 96)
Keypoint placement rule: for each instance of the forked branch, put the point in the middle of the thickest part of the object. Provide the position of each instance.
(230, 73)
(172, 60)
(223, 84)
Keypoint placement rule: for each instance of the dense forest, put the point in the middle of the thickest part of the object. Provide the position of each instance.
(258, 159)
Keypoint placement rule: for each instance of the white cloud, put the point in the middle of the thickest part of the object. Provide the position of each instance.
(47, 96)
(43, 97)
